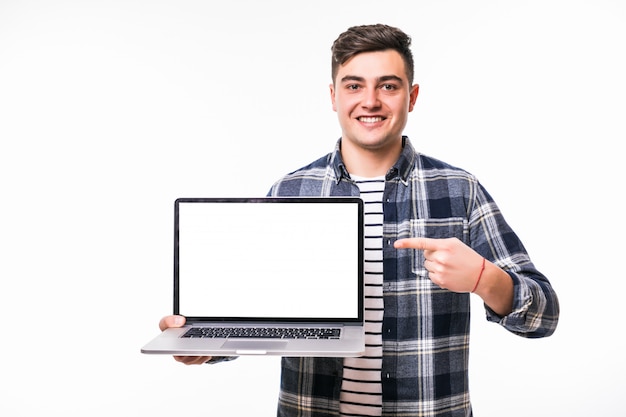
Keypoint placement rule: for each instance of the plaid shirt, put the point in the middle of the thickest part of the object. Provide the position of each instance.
(425, 328)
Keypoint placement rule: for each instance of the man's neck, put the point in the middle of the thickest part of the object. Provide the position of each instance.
(370, 162)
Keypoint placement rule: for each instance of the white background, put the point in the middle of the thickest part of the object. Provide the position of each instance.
(111, 109)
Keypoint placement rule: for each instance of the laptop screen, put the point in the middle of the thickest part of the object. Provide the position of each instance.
(269, 258)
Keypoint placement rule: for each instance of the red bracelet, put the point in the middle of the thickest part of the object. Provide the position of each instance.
(479, 275)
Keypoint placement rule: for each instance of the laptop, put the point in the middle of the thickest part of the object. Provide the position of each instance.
(267, 276)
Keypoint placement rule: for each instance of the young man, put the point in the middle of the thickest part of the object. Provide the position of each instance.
(433, 237)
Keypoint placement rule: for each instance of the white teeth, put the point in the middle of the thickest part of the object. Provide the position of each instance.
(370, 119)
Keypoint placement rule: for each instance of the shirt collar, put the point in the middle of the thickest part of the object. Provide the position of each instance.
(401, 169)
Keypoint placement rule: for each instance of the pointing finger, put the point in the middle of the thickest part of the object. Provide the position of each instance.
(420, 243)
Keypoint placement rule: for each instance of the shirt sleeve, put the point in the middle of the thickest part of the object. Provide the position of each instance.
(535, 308)
(220, 359)
(535, 304)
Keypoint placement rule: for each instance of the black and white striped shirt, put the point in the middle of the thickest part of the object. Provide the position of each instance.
(361, 390)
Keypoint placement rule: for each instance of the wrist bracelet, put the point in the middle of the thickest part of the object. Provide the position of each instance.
(479, 275)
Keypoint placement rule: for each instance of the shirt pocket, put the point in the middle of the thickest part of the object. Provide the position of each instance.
(436, 229)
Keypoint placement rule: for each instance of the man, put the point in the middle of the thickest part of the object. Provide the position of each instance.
(433, 237)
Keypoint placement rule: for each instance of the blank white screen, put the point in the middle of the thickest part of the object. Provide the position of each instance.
(297, 260)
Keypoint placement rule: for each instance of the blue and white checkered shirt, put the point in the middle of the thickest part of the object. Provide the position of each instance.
(425, 328)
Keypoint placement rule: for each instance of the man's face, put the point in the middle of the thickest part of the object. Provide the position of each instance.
(372, 97)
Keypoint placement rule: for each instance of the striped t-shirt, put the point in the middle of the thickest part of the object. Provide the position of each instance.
(361, 389)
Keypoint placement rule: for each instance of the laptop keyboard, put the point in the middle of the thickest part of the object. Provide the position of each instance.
(264, 332)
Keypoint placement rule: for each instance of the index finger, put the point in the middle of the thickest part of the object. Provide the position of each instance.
(420, 243)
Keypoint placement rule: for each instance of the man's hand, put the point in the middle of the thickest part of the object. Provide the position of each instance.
(450, 263)
(453, 265)
(179, 321)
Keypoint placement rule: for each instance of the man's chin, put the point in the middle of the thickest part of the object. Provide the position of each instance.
(378, 143)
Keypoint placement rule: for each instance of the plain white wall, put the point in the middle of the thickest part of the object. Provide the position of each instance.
(109, 110)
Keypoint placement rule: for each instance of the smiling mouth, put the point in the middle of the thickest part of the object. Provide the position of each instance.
(370, 119)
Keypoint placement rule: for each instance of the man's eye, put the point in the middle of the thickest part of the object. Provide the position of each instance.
(388, 87)
(352, 86)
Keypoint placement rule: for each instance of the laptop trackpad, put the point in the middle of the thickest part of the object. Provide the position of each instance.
(254, 346)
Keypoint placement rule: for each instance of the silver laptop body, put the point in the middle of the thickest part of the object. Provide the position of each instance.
(289, 268)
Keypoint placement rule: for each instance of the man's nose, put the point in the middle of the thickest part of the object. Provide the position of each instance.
(371, 98)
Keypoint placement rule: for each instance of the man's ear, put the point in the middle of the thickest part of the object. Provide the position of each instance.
(332, 96)
(413, 96)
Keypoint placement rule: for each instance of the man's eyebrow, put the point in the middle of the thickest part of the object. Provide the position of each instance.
(352, 78)
(390, 78)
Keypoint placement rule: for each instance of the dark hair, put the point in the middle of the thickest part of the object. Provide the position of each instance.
(371, 38)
